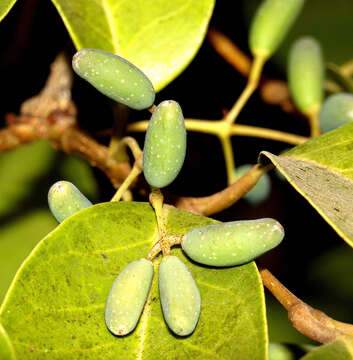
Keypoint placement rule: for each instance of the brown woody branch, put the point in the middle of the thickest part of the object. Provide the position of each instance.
(51, 115)
(219, 201)
(311, 322)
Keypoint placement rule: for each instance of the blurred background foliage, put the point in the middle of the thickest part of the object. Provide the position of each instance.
(312, 261)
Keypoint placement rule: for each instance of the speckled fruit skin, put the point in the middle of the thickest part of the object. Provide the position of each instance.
(165, 144)
(306, 71)
(179, 295)
(128, 296)
(65, 200)
(336, 111)
(232, 243)
(115, 77)
(270, 25)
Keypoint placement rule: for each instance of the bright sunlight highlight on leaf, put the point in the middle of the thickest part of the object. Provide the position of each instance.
(159, 37)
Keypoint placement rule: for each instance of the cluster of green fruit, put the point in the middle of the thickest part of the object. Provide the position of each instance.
(306, 76)
(165, 142)
(219, 245)
(306, 68)
(227, 244)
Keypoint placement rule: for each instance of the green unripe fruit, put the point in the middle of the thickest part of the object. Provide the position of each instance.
(306, 74)
(128, 296)
(260, 191)
(232, 243)
(115, 77)
(165, 144)
(179, 295)
(278, 351)
(65, 200)
(336, 111)
(270, 25)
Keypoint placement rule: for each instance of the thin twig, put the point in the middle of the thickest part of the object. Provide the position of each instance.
(212, 127)
(272, 91)
(251, 85)
(311, 322)
(224, 199)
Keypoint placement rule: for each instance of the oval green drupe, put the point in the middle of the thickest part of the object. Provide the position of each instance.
(232, 243)
(270, 25)
(336, 111)
(260, 191)
(179, 295)
(115, 77)
(65, 200)
(165, 144)
(306, 71)
(128, 296)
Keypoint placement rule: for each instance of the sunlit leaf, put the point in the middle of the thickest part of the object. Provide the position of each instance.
(5, 7)
(160, 37)
(322, 171)
(26, 174)
(61, 289)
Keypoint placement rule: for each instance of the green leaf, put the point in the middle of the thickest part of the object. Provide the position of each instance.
(339, 349)
(20, 172)
(61, 289)
(17, 239)
(322, 171)
(5, 7)
(7, 351)
(159, 37)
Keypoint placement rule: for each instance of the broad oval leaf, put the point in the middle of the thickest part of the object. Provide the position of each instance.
(61, 289)
(5, 7)
(159, 37)
(340, 349)
(322, 171)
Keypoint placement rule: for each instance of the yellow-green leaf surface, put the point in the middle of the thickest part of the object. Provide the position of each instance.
(160, 37)
(340, 349)
(5, 7)
(55, 306)
(322, 171)
(26, 174)
(7, 351)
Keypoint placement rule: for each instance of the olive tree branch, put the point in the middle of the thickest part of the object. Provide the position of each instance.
(311, 322)
(222, 200)
(51, 115)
